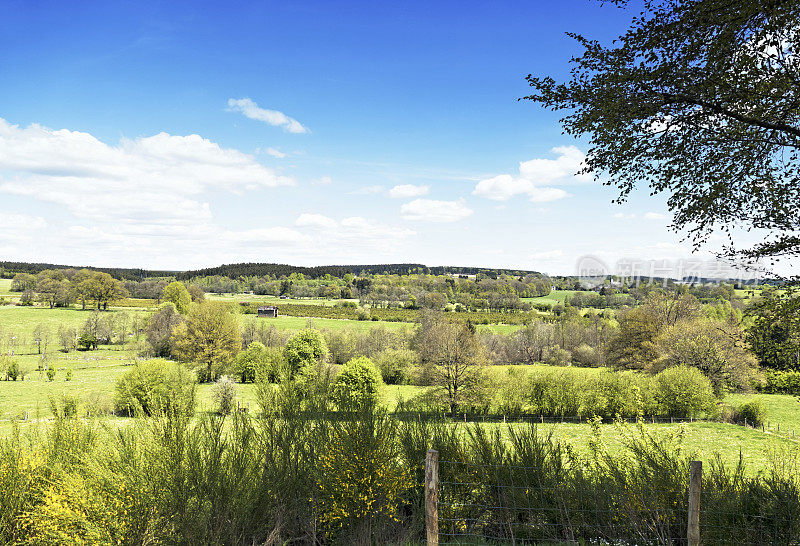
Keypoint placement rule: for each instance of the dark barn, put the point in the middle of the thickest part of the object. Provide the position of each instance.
(269, 311)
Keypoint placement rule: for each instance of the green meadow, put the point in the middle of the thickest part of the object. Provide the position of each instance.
(90, 377)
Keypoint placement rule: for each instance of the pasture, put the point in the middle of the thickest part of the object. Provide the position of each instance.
(93, 375)
(556, 296)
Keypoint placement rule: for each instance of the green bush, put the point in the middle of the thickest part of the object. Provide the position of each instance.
(397, 366)
(358, 385)
(260, 363)
(753, 413)
(224, 394)
(50, 373)
(10, 367)
(304, 349)
(153, 387)
(780, 382)
(587, 356)
(682, 392)
(64, 406)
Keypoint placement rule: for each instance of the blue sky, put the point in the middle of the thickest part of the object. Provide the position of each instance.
(179, 135)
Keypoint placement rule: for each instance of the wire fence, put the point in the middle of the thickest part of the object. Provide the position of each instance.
(472, 503)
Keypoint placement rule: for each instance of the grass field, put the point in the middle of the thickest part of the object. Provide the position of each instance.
(5, 287)
(94, 376)
(556, 296)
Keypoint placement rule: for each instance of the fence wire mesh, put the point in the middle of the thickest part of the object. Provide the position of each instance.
(541, 504)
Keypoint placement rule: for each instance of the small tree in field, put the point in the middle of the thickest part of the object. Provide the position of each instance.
(177, 294)
(304, 349)
(209, 338)
(358, 385)
(457, 358)
(224, 393)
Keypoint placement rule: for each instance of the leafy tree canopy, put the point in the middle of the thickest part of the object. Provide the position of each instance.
(699, 100)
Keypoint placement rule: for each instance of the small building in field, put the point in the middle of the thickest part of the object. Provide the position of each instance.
(269, 311)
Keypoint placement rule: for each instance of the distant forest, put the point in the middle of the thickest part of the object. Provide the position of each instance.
(235, 271)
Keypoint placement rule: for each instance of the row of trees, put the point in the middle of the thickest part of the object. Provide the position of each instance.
(63, 287)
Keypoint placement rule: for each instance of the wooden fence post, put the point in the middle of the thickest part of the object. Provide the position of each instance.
(432, 497)
(695, 479)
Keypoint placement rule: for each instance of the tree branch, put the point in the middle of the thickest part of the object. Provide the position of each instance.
(782, 127)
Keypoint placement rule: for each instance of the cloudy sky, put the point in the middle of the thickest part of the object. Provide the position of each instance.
(180, 134)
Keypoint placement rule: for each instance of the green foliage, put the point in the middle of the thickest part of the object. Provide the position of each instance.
(305, 348)
(633, 346)
(177, 294)
(684, 392)
(87, 341)
(224, 394)
(362, 481)
(780, 382)
(753, 413)
(153, 387)
(358, 385)
(258, 362)
(683, 65)
(9, 367)
(715, 348)
(397, 366)
(64, 405)
(775, 333)
(160, 327)
(50, 373)
(209, 338)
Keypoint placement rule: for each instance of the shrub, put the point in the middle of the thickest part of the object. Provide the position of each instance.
(10, 367)
(64, 405)
(780, 382)
(683, 392)
(51, 373)
(87, 341)
(361, 480)
(155, 386)
(585, 355)
(397, 366)
(358, 385)
(559, 357)
(753, 413)
(258, 362)
(303, 349)
(224, 394)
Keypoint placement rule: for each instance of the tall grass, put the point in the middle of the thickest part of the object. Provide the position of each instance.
(312, 477)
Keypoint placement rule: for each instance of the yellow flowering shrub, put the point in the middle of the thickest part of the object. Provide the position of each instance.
(70, 513)
(361, 478)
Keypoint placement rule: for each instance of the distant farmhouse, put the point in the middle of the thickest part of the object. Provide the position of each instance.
(270, 311)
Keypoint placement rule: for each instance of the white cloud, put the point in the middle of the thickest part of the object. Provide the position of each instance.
(534, 174)
(20, 223)
(564, 168)
(654, 216)
(271, 236)
(150, 181)
(405, 191)
(547, 255)
(428, 210)
(315, 220)
(274, 152)
(368, 190)
(275, 118)
(323, 181)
